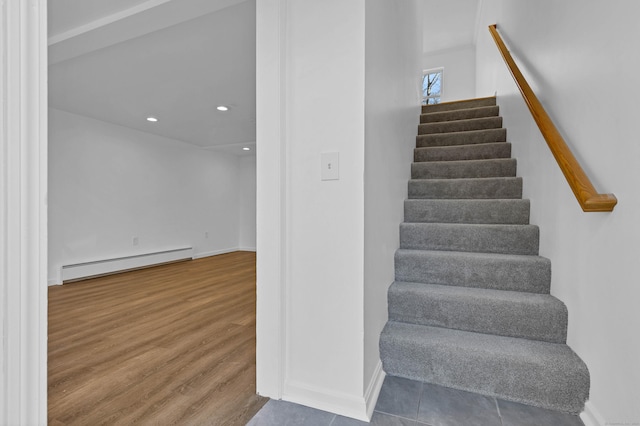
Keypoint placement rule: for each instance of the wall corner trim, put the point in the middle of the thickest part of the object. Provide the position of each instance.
(373, 390)
(23, 213)
(340, 403)
(202, 254)
(253, 249)
(590, 416)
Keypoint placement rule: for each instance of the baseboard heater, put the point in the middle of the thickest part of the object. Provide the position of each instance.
(85, 270)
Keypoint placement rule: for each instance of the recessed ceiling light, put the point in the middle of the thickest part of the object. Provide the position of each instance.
(152, 119)
(222, 108)
(246, 148)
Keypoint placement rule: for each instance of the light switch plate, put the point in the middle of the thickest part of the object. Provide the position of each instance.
(330, 166)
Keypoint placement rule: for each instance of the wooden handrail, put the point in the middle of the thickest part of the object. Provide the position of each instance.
(590, 200)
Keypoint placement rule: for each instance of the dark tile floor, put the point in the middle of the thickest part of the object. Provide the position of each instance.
(405, 402)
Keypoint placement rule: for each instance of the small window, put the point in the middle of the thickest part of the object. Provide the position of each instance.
(432, 86)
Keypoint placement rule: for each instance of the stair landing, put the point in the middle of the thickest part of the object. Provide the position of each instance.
(409, 402)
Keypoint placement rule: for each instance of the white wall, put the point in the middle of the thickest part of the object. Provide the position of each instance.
(310, 100)
(325, 96)
(570, 53)
(459, 76)
(247, 202)
(392, 94)
(108, 183)
(271, 197)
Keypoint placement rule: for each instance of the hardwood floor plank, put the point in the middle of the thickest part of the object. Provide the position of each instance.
(173, 344)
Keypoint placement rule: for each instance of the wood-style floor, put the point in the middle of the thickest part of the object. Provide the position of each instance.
(173, 344)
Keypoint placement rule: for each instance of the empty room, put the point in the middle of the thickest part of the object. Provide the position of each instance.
(151, 172)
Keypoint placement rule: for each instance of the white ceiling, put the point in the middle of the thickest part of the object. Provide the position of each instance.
(121, 61)
(65, 15)
(448, 24)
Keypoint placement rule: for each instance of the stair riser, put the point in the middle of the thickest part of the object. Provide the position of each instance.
(463, 152)
(460, 125)
(461, 114)
(490, 188)
(512, 212)
(515, 273)
(529, 316)
(461, 138)
(506, 239)
(558, 383)
(505, 167)
(450, 106)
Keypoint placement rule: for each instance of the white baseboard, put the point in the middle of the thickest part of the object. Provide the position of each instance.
(590, 416)
(139, 263)
(373, 390)
(215, 252)
(107, 266)
(347, 405)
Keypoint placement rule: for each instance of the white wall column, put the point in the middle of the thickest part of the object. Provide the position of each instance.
(310, 100)
(23, 212)
(392, 112)
(271, 197)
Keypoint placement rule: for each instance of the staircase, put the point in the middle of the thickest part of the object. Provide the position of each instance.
(470, 308)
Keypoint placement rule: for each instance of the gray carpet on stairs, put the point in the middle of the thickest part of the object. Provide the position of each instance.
(504, 313)
(461, 138)
(547, 375)
(460, 125)
(470, 308)
(460, 114)
(494, 167)
(506, 212)
(465, 104)
(485, 270)
(485, 238)
(484, 188)
(463, 152)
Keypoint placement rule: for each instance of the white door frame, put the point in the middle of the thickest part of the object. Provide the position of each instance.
(272, 208)
(23, 212)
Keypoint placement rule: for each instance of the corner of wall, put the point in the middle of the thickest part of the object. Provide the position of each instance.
(53, 282)
(478, 23)
(590, 416)
(373, 389)
(326, 399)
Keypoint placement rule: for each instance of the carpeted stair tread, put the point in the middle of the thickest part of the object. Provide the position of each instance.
(463, 152)
(460, 114)
(504, 313)
(494, 167)
(526, 273)
(460, 125)
(462, 138)
(481, 188)
(482, 238)
(513, 212)
(462, 104)
(547, 375)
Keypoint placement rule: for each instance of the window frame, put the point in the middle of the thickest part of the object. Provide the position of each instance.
(438, 96)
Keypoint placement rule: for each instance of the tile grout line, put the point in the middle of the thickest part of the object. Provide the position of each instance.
(498, 410)
(404, 418)
(419, 400)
